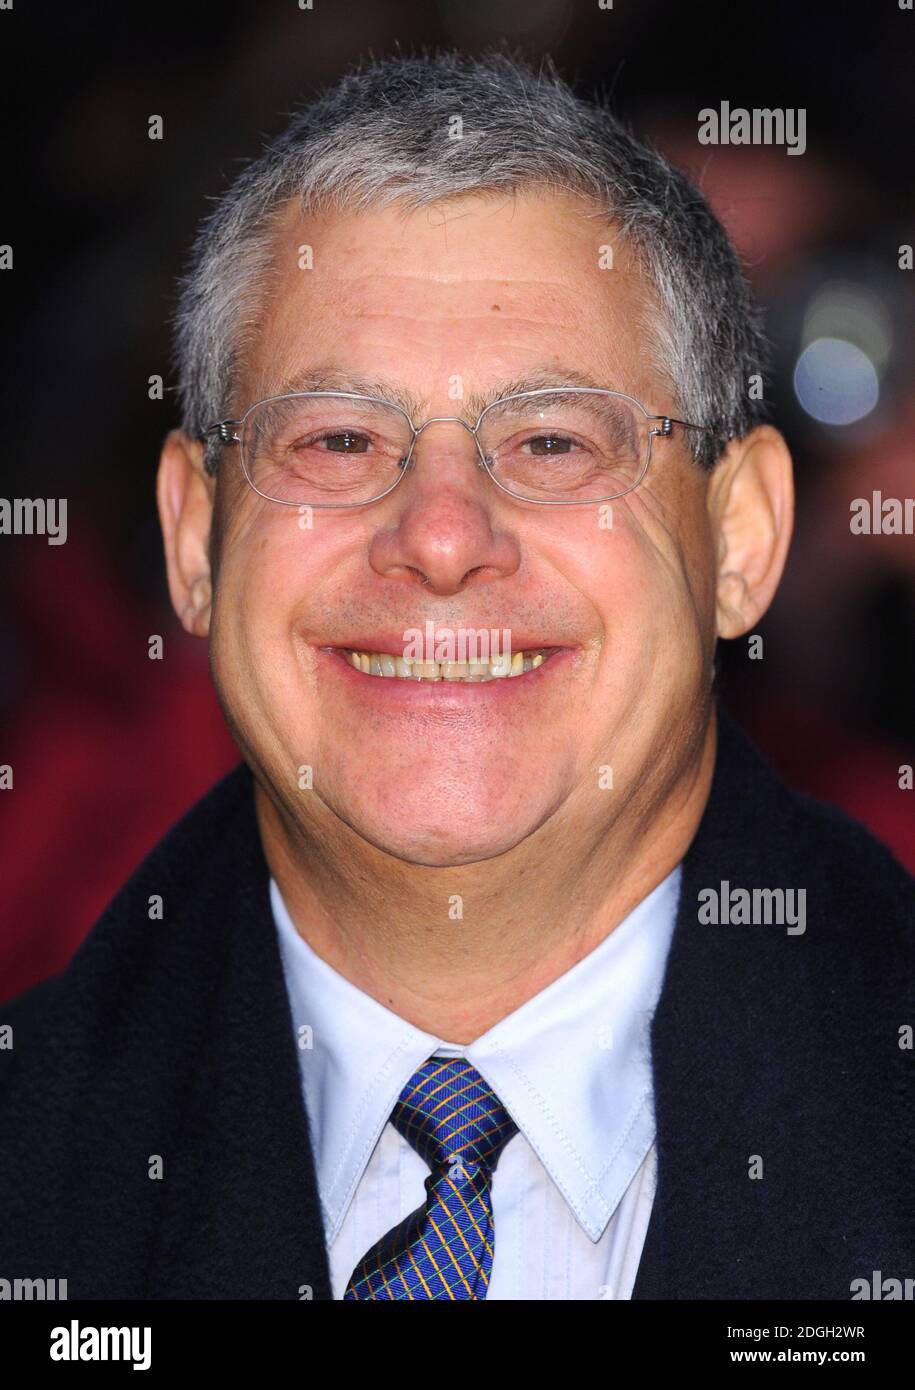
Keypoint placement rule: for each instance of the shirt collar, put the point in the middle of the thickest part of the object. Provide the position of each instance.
(572, 1065)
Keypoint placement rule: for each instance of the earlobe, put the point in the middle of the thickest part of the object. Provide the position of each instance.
(751, 504)
(735, 605)
(196, 615)
(185, 503)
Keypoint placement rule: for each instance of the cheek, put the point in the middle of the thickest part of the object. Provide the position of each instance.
(267, 565)
(652, 585)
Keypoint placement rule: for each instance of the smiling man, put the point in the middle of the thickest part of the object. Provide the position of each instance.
(426, 999)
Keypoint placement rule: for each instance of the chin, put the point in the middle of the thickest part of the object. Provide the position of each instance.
(443, 843)
(459, 811)
(432, 854)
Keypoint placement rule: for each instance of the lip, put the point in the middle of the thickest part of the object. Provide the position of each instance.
(439, 695)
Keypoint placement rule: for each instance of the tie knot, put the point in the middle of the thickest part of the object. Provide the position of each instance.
(449, 1113)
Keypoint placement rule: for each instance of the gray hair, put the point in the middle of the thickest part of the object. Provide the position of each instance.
(382, 134)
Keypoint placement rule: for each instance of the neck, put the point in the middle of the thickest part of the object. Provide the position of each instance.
(454, 950)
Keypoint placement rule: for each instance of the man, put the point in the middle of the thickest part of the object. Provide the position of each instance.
(504, 966)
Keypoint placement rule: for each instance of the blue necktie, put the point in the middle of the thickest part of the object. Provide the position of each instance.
(457, 1124)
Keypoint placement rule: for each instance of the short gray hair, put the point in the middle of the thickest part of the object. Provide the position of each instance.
(382, 134)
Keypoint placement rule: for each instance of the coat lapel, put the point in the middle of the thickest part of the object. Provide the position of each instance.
(770, 1056)
(242, 1215)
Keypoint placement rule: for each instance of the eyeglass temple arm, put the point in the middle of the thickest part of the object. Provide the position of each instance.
(668, 422)
(225, 431)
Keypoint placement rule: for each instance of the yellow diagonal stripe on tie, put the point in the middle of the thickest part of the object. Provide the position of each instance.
(420, 1274)
(433, 1223)
(441, 1276)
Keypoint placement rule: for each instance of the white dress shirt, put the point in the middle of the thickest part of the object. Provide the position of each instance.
(573, 1189)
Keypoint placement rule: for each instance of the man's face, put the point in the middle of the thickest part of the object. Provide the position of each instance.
(480, 292)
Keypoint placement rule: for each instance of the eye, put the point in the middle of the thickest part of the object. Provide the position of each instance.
(545, 445)
(340, 442)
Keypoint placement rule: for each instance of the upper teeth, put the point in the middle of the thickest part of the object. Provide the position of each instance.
(383, 664)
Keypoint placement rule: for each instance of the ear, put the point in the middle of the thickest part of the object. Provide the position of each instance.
(751, 508)
(184, 496)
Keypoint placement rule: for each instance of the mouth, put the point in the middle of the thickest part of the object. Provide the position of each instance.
(504, 666)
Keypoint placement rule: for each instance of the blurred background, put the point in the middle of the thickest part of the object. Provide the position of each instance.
(107, 747)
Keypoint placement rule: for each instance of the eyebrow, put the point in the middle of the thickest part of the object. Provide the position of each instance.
(330, 378)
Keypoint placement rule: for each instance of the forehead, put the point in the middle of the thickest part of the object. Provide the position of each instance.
(480, 289)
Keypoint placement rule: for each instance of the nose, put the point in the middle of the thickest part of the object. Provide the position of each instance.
(445, 531)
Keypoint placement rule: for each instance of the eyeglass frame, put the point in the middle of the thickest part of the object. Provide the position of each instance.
(225, 431)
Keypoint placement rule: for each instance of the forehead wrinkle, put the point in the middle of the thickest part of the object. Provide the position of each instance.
(329, 378)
